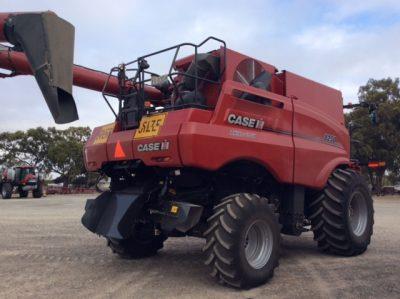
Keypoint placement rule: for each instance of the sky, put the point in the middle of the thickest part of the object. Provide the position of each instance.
(336, 42)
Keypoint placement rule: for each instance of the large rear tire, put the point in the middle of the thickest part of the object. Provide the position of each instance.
(142, 244)
(6, 190)
(342, 215)
(243, 241)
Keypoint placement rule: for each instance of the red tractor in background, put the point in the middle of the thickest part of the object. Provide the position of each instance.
(24, 179)
(219, 146)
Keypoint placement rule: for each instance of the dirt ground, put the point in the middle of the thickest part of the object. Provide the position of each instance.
(45, 252)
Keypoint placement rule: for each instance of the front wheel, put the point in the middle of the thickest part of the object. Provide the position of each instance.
(342, 215)
(243, 240)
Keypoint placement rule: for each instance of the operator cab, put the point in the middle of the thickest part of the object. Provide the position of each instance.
(186, 84)
(22, 171)
(202, 70)
(194, 81)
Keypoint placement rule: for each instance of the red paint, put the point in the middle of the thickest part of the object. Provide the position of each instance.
(27, 178)
(95, 80)
(303, 139)
(302, 142)
(15, 61)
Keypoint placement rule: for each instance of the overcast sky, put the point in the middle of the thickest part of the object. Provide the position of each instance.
(339, 43)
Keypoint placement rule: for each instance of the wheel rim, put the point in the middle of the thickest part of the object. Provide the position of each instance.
(358, 213)
(258, 244)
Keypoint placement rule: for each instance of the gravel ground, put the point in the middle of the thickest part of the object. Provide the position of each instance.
(45, 252)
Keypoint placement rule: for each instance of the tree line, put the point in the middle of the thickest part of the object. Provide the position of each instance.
(51, 150)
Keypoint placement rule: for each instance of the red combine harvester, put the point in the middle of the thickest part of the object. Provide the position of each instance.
(220, 146)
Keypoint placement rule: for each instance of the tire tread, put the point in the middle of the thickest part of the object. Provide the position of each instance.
(223, 226)
(327, 212)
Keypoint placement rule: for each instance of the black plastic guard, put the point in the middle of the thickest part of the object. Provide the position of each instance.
(113, 214)
(187, 215)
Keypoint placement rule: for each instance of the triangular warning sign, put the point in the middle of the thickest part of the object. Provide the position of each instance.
(119, 151)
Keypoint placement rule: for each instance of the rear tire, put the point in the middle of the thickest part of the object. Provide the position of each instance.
(6, 190)
(342, 216)
(38, 192)
(243, 241)
(142, 244)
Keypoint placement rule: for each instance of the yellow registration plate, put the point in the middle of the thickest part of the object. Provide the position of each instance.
(150, 126)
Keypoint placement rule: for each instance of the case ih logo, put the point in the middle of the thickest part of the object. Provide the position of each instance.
(153, 146)
(245, 121)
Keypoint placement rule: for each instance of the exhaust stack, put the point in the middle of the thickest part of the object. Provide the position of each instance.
(48, 43)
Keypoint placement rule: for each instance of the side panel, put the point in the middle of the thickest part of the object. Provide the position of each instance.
(168, 153)
(95, 151)
(229, 137)
(161, 150)
(323, 98)
(105, 145)
(320, 138)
